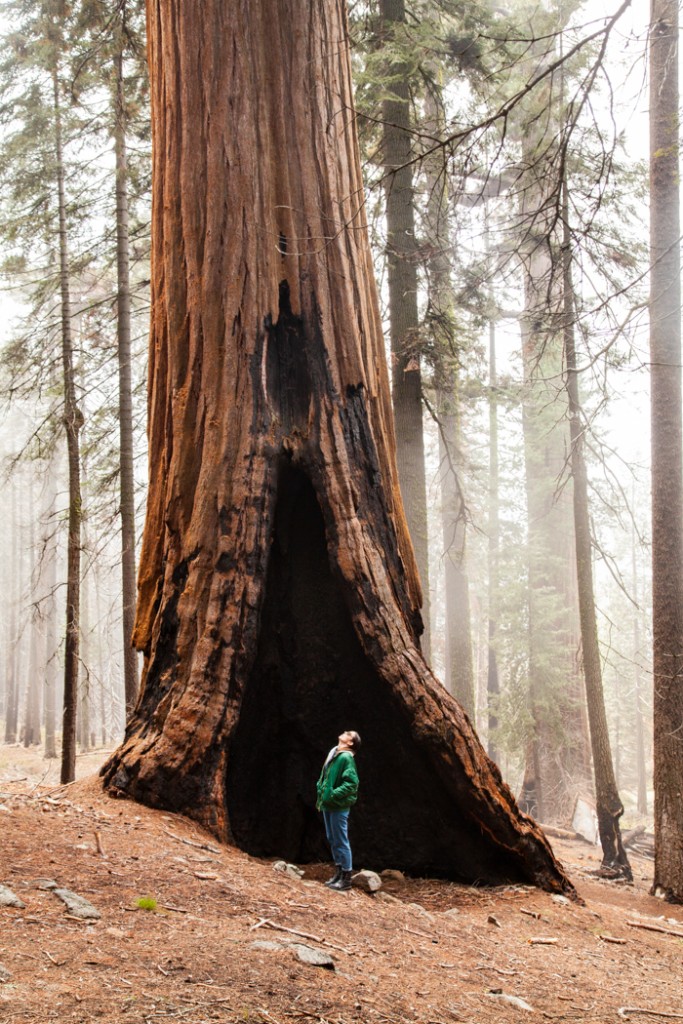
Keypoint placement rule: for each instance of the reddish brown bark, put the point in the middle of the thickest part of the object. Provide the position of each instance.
(278, 595)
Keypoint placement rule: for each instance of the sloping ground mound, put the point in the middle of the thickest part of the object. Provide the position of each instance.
(221, 943)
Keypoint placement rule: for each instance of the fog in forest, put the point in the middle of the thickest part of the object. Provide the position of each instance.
(505, 158)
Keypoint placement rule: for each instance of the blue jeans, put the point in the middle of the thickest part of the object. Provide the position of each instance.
(337, 832)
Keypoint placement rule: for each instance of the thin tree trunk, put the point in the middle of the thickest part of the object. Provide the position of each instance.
(51, 642)
(608, 803)
(123, 328)
(73, 419)
(459, 675)
(14, 590)
(641, 774)
(492, 680)
(403, 312)
(278, 590)
(667, 449)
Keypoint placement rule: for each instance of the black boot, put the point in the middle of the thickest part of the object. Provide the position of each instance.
(344, 882)
(335, 877)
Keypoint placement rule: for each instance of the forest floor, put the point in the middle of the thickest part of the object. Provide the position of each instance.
(221, 943)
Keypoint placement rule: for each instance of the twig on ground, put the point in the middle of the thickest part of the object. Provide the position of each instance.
(267, 923)
(655, 928)
(612, 938)
(57, 963)
(624, 1011)
(423, 935)
(98, 844)
(190, 842)
(498, 970)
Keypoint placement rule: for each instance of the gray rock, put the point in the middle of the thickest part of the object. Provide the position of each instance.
(386, 897)
(420, 911)
(369, 881)
(453, 912)
(8, 898)
(266, 944)
(291, 870)
(314, 957)
(77, 905)
(45, 884)
(503, 997)
(4, 975)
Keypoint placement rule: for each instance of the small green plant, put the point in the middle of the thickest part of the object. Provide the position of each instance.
(146, 903)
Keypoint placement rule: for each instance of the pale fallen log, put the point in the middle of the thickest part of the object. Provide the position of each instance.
(612, 938)
(540, 941)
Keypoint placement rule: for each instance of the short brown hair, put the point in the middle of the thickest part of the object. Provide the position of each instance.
(355, 739)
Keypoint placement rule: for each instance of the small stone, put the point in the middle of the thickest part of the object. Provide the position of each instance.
(369, 881)
(492, 919)
(386, 897)
(288, 869)
(503, 997)
(4, 975)
(116, 933)
(5, 809)
(561, 900)
(9, 899)
(392, 875)
(77, 905)
(314, 957)
(267, 944)
(420, 910)
(45, 884)
(452, 912)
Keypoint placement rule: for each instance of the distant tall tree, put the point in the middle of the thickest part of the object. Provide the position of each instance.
(667, 448)
(492, 678)
(73, 420)
(608, 802)
(404, 321)
(446, 355)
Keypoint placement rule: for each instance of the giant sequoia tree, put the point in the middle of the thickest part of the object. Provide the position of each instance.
(278, 595)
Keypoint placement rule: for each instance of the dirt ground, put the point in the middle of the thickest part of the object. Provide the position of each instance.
(421, 951)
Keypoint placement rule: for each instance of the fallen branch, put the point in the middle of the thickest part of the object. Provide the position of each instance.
(423, 935)
(612, 938)
(267, 923)
(624, 1011)
(189, 842)
(655, 928)
(498, 970)
(543, 942)
(98, 844)
(559, 833)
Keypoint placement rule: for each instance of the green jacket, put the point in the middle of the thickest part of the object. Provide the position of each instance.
(338, 783)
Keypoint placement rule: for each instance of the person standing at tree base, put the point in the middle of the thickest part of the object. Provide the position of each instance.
(337, 793)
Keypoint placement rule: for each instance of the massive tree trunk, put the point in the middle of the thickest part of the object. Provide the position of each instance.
(278, 594)
(406, 377)
(667, 448)
(608, 803)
